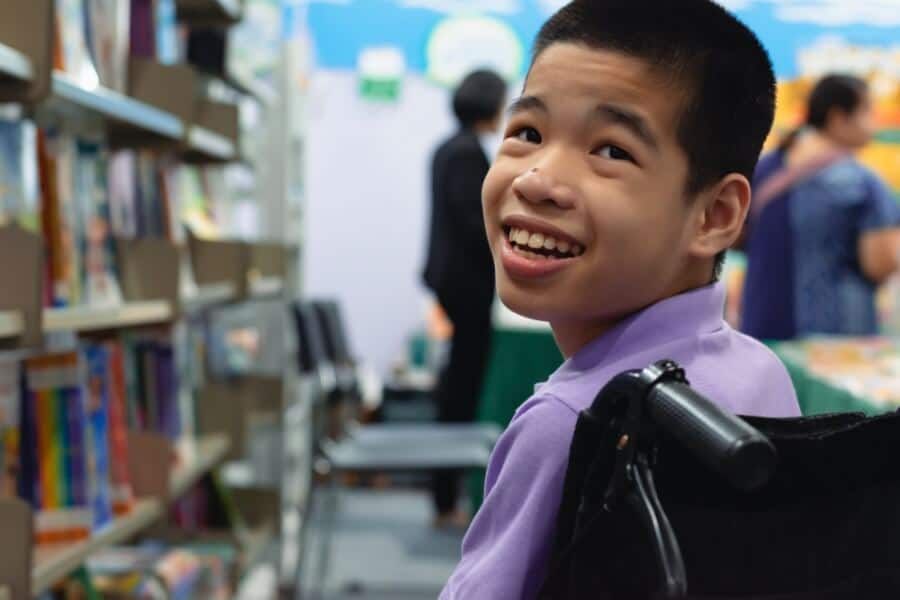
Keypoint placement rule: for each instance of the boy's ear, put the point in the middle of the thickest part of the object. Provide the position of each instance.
(721, 212)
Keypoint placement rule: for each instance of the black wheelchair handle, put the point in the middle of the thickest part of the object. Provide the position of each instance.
(722, 441)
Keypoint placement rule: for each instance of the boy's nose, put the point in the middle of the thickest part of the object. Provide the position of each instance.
(538, 186)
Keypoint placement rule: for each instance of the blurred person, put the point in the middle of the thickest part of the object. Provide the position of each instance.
(459, 269)
(822, 232)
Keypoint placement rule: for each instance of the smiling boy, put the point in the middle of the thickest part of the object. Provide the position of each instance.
(622, 179)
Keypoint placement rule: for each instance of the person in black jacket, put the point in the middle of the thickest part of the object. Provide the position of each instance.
(459, 269)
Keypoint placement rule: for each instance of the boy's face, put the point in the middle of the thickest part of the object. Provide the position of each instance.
(590, 159)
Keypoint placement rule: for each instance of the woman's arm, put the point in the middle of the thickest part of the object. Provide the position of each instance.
(879, 253)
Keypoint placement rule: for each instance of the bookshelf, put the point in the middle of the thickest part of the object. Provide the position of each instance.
(54, 561)
(12, 323)
(89, 318)
(210, 143)
(71, 99)
(14, 64)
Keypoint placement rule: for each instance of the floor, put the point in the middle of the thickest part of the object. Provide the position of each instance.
(384, 548)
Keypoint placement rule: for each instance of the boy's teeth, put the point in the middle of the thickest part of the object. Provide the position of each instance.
(526, 241)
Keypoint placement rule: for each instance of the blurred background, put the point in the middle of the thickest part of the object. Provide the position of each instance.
(216, 218)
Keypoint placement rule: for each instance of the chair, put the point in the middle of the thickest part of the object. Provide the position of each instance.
(344, 446)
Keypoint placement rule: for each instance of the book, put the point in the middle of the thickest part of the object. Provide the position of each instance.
(10, 404)
(57, 426)
(97, 251)
(107, 32)
(57, 155)
(121, 491)
(167, 40)
(97, 397)
(75, 55)
(143, 29)
(121, 178)
(19, 194)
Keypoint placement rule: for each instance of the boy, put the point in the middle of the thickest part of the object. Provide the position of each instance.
(623, 177)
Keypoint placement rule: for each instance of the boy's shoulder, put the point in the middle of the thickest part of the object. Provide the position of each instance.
(734, 370)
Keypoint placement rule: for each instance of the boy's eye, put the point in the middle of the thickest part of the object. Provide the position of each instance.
(529, 135)
(613, 152)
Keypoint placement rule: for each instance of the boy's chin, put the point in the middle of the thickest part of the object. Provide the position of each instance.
(525, 304)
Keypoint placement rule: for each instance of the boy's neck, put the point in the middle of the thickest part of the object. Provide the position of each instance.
(573, 335)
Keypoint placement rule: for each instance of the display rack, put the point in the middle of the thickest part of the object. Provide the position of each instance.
(14, 64)
(70, 99)
(90, 318)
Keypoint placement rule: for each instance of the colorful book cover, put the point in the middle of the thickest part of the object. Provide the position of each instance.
(19, 195)
(122, 493)
(10, 423)
(76, 57)
(54, 393)
(100, 285)
(97, 397)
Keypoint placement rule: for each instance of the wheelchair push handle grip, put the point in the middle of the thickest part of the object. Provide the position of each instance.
(722, 441)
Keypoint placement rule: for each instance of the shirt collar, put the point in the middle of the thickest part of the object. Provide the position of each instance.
(689, 314)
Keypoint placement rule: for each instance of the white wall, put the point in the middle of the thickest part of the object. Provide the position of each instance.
(367, 206)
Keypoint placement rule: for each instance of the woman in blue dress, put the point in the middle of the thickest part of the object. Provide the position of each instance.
(823, 229)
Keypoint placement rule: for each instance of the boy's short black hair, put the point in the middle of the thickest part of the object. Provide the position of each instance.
(479, 97)
(714, 60)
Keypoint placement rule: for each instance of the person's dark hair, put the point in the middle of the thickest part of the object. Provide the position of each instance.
(719, 67)
(479, 97)
(844, 92)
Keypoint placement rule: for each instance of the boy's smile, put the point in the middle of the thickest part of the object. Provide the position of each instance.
(585, 207)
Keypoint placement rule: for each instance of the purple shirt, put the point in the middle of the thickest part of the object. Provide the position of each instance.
(507, 546)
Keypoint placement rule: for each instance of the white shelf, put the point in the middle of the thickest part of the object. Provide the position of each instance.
(203, 140)
(52, 562)
(11, 324)
(207, 295)
(88, 318)
(114, 106)
(266, 287)
(199, 458)
(15, 64)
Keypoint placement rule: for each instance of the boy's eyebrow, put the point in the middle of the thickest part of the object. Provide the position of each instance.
(527, 103)
(632, 121)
